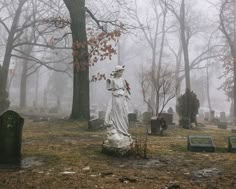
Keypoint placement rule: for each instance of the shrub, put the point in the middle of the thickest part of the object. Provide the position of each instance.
(187, 108)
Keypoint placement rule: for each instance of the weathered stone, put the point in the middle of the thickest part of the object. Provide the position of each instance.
(132, 116)
(222, 116)
(212, 115)
(158, 126)
(200, 144)
(147, 116)
(233, 130)
(232, 144)
(222, 125)
(101, 115)
(170, 110)
(207, 116)
(96, 123)
(11, 125)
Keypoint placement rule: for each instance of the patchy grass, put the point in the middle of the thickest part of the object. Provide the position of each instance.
(69, 146)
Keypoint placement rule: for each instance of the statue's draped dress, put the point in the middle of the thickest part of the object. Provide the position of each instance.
(117, 110)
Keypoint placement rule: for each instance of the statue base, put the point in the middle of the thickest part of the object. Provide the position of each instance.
(117, 144)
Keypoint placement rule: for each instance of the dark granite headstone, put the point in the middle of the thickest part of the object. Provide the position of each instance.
(232, 144)
(132, 116)
(200, 144)
(158, 126)
(11, 125)
(95, 124)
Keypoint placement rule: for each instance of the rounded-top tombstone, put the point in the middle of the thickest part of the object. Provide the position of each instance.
(11, 125)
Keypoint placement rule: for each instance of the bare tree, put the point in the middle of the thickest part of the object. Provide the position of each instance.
(228, 28)
(165, 89)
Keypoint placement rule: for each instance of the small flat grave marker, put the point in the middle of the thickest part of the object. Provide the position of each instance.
(232, 144)
(11, 125)
(200, 144)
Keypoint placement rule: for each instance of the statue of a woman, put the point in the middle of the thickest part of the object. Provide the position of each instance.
(116, 118)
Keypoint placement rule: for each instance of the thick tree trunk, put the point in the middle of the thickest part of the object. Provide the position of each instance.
(234, 90)
(160, 63)
(185, 45)
(80, 105)
(4, 102)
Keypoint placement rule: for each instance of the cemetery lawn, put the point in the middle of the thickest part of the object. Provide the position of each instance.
(65, 155)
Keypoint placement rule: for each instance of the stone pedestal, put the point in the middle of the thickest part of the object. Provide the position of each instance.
(116, 143)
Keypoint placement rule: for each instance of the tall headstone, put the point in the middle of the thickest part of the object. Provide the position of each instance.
(222, 116)
(170, 110)
(207, 116)
(232, 144)
(212, 115)
(147, 116)
(132, 117)
(101, 115)
(11, 125)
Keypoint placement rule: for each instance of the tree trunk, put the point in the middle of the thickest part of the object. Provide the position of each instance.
(208, 89)
(10, 41)
(177, 70)
(80, 105)
(36, 90)
(184, 45)
(23, 85)
(160, 63)
(234, 90)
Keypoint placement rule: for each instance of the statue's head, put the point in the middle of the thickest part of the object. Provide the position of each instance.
(118, 71)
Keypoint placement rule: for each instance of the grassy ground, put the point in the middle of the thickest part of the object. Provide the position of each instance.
(69, 156)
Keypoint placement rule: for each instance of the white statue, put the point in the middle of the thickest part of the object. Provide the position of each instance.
(116, 118)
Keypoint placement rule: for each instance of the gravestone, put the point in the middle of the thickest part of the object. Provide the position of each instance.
(233, 130)
(200, 144)
(95, 124)
(222, 116)
(132, 116)
(232, 144)
(169, 118)
(158, 126)
(222, 125)
(207, 115)
(147, 116)
(170, 110)
(212, 115)
(101, 115)
(11, 125)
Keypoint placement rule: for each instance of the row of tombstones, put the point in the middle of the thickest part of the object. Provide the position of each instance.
(97, 121)
(11, 125)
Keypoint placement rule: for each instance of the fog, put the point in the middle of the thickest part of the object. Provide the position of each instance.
(50, 66)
